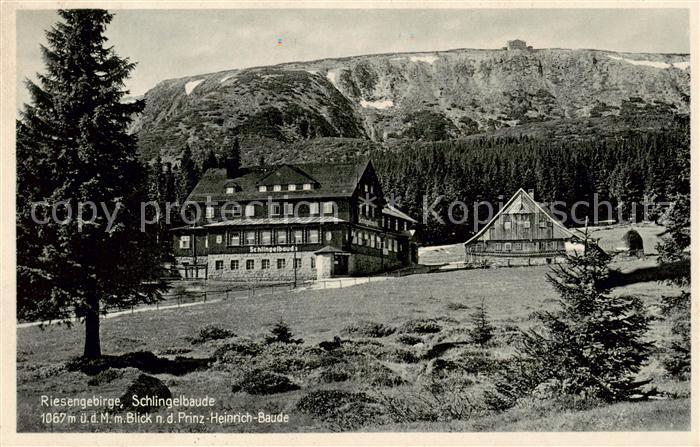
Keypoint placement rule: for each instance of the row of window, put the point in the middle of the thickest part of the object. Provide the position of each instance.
(373, 240)
(280, 236)
(518, 246)
(289, 187)
(396, 224)
(264, 264)
(275, 209)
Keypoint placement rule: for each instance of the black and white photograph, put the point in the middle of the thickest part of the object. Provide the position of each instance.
(361, 218)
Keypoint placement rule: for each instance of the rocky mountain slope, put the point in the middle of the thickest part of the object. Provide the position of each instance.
(409, 96)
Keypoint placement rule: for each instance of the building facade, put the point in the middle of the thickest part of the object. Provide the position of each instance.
(293, 222)
(522, 233)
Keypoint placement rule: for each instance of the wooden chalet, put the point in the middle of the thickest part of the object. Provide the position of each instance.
(523, 232)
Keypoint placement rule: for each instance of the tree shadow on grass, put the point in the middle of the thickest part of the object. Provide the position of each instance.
(144, 361)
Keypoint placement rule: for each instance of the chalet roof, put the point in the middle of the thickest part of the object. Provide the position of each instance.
(395, 212)
(331, 180)
(275, 221)
(521, 202)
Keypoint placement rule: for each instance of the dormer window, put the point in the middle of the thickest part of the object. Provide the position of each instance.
(262, 188)
(292, 187)
(277, 188)
(307, 187)
(230, 190)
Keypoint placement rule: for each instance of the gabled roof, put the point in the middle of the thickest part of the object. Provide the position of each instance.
(395, 212)
(521, 202)
(285, 175)
(329, 249)
(331, 180)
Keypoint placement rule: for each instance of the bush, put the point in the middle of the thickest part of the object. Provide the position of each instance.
(457, 306)
(232, 351)
(402, 356)
(144, 386)
(261, 381)
(420, 326)
(676, 359)
(210, 332)
(342, 410)
(105, 376)
(281, 333)
(368, 329)
(409, 339)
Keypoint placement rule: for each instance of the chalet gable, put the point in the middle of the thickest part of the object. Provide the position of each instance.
(522, 204)
(286, 175)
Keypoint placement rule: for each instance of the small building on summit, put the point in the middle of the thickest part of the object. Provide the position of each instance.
(523, 232)
(288, 222)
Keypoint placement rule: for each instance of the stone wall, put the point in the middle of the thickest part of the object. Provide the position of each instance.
(304, 272)
(364, 264)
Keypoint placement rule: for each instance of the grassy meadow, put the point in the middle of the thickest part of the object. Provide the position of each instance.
(403, 362)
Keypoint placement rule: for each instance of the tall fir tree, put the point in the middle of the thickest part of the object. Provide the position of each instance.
(187, 177)
(73, 148)
(210, 161)
(594, 344)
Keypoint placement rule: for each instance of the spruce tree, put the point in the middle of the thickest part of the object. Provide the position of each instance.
(188, 176)
(210, 161)
(594, 343)
(482, 330)
(73, 148)
(233, 155)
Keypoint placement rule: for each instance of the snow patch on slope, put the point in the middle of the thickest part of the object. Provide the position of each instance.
(226, 78)
(191, 85)
(654, 64)
(427, 59)
(381, 104)
(333, 75)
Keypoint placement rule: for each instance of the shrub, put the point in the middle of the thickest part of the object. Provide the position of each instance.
(676, 359)
(368, 329)
(457, 306)
(420, 326)
(342, 410)
(242, 347)
(261, 381)
(402, 356)
(210, 332)
(409, 339)
(482, 331)
(105, 376)
(281, 333)
(144, 386)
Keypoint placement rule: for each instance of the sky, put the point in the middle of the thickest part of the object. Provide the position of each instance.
(170, 44)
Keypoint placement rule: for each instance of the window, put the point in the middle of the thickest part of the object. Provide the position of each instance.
(275, 209)
(507, 246)
(550, 245)
(219, 238)
(306, 186)
(313, 262)
(328, 207)
(517, 246)
(366, 188)
(313, 236)
(292, 187)
(313, 208)
(526, 223)
(507, 225)
(234, 264)
(288, 209)
(277, 188)
(497, 246)
(219, 265)
(265, 264)
(250, 237)
(230, 190)
(297, 263)
(233, 211)
(250, 210)
(266, 237)
(184, 242)
(281, 263)
(329, 236)
(234, 238)
(262, 188)
(281, 237)
(206, 242)
(479, 247)
(210, 212)
(396, 224)
(371, 189)
(298, 236)
(250, 264)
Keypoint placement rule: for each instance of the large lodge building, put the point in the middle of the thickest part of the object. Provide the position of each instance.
(287, 222)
